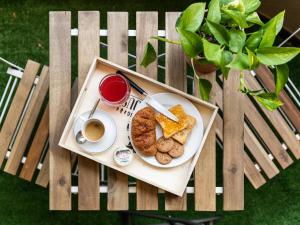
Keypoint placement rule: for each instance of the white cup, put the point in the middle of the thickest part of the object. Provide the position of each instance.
(85, 127)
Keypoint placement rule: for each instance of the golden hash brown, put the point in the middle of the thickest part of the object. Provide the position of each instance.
(169, 126)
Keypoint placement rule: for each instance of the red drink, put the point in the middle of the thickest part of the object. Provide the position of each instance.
(114, 89)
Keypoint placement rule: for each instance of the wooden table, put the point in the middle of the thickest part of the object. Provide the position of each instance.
(234, 129)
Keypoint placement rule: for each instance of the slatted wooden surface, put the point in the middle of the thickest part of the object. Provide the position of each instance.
(88, 49)
(205, 170)
(270, 143)
(117, 31)
(59, 103)
(146, 27)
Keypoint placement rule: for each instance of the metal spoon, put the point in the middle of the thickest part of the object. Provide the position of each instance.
(80, 139)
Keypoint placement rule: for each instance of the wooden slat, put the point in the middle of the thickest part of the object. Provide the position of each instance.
(117, 28)
(262, 129)
(36, 147)
(259, 153)
(205, 169)
(17, 106)
(59, 103)
(43, 176)
(289, 107)
(233, 132)
(175, 60)
(88, 49)
(278, 122)
(28, 123)
(253, 175)
(146, 26)
(176, 77)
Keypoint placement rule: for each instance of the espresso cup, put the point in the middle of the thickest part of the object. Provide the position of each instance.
(93, 130)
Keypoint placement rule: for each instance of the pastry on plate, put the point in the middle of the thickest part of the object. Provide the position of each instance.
(163, 158)
(182, 136)
(177, 150)
(169, 126)
(164, 144)
(143, 131)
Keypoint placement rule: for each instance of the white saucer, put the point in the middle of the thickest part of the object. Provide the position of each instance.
(109, 136)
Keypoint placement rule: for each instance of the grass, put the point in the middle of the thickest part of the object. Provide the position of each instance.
(24, 34)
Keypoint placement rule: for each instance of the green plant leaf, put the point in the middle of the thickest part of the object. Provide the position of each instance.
(276, 55)
(254, 40)
(269, 100)
(237, 40)
(192, 17)
(254, 18)
(149, 55)
(212, 52)
(236, 5)
(191, 43)
(251, 5)
(253, 60)
(279, 18)
(237, 17)
(269, 35)
(282, 76)
(166, 40)
(214, 11)
(204, 88)
(219, 32)
(225, 60)
(240, 62)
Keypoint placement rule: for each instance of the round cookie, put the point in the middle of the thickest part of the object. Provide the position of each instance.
(164, 144)
(163, 158)
(177, 150)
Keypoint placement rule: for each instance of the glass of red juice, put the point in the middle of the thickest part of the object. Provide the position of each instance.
(114, 89)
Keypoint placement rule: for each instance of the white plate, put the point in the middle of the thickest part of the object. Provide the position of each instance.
(109, 136)
(194, 139)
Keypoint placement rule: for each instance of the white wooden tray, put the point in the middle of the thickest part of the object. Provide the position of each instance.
(173, 180)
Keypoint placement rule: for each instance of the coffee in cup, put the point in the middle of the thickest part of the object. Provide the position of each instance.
(93, 130)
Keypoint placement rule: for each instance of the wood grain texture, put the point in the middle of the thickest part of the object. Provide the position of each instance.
(43, 176)
(252, 174)
(176, 77)
(117, 28)
(16, 107)
(28, 123)
(175, 60)
(205, 169)
(233, 144)
(88, 49)
(36, 147)
(259, 153)
(289, 107)
(262, 128)
(277, 121)
(59, 105)
(146, 27)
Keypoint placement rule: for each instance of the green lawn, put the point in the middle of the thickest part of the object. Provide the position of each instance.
(24, 34)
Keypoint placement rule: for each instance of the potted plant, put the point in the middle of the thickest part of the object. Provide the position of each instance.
(230, 35)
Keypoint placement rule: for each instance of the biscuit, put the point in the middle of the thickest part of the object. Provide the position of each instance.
(163, 158)
(182, 136)
(164, 144)
(177, 150)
